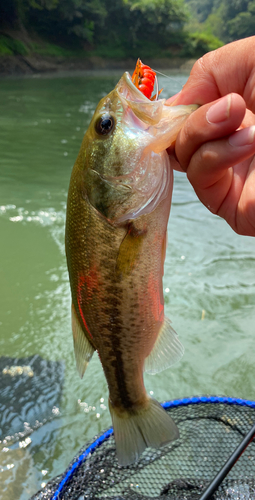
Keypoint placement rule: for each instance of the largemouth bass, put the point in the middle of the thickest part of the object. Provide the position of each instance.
(116, 228)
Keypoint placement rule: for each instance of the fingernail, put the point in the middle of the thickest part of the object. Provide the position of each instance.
(219, 112)
(243, 137)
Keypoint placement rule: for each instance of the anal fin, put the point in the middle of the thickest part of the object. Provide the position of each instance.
(83, 349)
(166, 351)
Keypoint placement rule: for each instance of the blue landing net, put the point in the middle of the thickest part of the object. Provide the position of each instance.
(211, 427)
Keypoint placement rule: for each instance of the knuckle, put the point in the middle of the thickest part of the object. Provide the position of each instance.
(187, 142)
(201, 65)
(189, 131)
(207, 158)
(200, 166)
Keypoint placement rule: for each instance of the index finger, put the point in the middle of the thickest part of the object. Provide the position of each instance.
(223, 71)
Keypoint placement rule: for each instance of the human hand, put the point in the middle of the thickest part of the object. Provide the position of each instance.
(218, 158)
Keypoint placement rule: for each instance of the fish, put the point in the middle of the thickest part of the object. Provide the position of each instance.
(116, 237)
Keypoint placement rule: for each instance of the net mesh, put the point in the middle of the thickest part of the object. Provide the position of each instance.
(210, 430)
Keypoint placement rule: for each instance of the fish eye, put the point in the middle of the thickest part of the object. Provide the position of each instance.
(105, 124)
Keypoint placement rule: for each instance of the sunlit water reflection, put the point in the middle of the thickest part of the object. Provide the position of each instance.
(209, 281)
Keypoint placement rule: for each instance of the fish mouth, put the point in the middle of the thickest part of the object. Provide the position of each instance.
(161, 121)
(126, 86)
(149, 112)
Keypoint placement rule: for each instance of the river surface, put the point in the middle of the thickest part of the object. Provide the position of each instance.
(209, 285)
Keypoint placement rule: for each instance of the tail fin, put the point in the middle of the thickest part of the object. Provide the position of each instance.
(151, 427)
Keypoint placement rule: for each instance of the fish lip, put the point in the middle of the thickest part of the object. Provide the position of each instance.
(129, 85)
(147, 111)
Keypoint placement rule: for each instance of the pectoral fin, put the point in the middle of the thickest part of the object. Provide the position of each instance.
(167, 350)
(129, 250)
(83, 349)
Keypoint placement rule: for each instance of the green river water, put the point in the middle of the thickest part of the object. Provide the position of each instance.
(209, 282)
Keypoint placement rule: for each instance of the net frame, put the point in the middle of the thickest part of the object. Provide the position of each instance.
(195, 400)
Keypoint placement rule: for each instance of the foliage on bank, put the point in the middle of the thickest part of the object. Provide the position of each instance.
(226, 19)
(114, 29)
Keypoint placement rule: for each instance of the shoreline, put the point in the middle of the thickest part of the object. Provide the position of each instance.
(37, 65)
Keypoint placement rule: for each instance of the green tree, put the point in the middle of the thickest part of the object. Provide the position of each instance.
(231, 9)
(243, 23)
(137, 27)
(156, 18)
(200, 9)
(228, 20)
(241, 26)
(69, 20)
(54, 18)
(120, 28)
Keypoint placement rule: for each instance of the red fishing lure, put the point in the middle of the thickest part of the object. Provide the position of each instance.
(144, 79)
